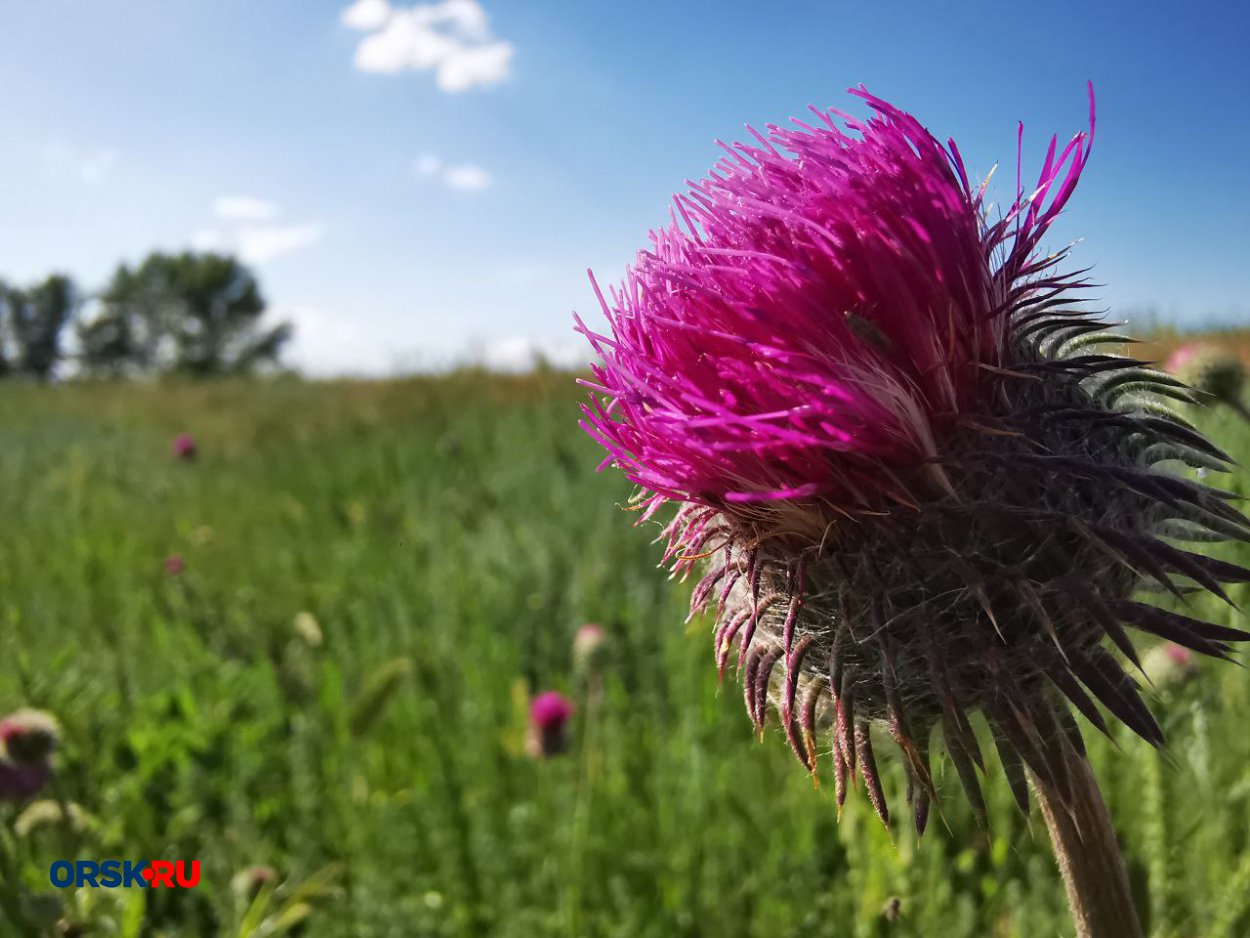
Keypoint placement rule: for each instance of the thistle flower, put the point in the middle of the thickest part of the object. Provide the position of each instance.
(588, 643)
(248, 883)
(549, 720)
(183, 447)
(1215, 371)
(917, 483)
(1168, 664)
(175, 565)
(27, 740)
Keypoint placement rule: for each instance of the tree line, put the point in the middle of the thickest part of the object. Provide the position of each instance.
(190, 313)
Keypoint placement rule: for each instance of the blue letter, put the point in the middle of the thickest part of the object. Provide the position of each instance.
(134, 874)
(87, 873)
(110, 874)
(62, 874)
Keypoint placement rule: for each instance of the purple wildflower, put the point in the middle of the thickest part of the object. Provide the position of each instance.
(549, 718)
(28, 739)
(175, 565)
(183, 447)
(919, 487)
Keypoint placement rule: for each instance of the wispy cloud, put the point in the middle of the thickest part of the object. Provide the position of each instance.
(260, 243)
(367, 15)
(464, 177)
(451, 38)
(244, 208)
(521, 353)
(249, 229)
(90, 167)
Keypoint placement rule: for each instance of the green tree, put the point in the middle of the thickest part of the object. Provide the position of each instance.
(37, 318)
(5, 316)
(191, 313)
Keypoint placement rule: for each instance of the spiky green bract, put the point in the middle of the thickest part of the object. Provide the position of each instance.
(1007, 594)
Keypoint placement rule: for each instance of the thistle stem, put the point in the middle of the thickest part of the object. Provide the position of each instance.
(1089, 856)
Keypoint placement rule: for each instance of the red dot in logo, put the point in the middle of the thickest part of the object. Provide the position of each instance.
(148, 873)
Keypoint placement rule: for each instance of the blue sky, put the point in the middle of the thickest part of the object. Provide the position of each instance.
(415, 183)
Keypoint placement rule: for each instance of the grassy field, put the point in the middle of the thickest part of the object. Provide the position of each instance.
(438, 542)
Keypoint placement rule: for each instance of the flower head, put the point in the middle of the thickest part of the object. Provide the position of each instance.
(175, 565)
(588, 642)
(183, 447)
(248, 883)
(549, 718)
(28, 739)
(920, 487)
(1212, 369)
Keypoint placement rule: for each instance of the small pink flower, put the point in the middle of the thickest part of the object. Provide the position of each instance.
(549, 721)
(1179, 654)
(587, 643)
(27, 740)
(183, 447)
(174, 565)
(1183, 356)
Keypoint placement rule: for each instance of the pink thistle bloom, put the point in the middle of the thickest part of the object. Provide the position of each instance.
(820, 311)
(183, 447)
(174, 565)
(587, 642)
(918, 485)
(1183, 355)
(1179, 654)
(550, 713)
(28, 739)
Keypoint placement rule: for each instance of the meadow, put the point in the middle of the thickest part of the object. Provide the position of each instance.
(375, 579)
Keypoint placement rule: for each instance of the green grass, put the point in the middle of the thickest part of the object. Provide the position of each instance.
(449, 535)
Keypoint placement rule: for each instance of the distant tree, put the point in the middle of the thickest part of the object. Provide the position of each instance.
(37, 318)
(192, 313)
(106, 346)
(4, 329)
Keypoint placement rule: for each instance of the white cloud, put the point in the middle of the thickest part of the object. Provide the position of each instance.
(466, 178)
(366, 15)
(260, 243)
(244, 208)
(483, 65)
(90, 167)
(326, 344)
(247, 229)
(518, 353)
(427, 164)
(451, 38)
(207, 239)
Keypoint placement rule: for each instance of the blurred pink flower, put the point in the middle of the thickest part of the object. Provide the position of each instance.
(183, 447)
(549, 719)
(27, 740)
(587, 642)
(1183, 355)
(174, 564)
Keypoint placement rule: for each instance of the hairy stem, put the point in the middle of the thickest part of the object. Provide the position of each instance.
(1089, 856)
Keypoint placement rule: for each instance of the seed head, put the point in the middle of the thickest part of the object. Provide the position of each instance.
(919, 486)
